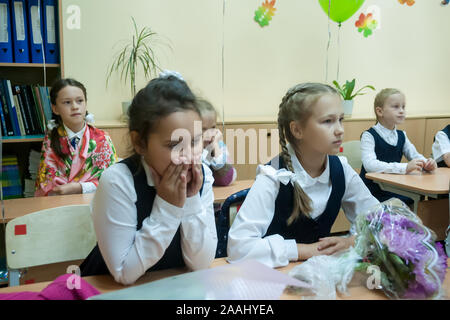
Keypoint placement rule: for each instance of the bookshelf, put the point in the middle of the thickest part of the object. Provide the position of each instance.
(24, 74)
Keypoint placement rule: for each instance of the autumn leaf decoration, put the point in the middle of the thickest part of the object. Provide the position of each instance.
(366, 23)
(408, 2)
(265, 13)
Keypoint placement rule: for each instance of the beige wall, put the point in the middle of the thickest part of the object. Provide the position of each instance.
(411, 51)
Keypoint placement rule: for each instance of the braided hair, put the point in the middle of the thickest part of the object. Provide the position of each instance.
(296, 106)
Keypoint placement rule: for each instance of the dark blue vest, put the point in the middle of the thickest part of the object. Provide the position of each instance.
(386, 153)
(305, 229)
(172, 258)
(446, 130)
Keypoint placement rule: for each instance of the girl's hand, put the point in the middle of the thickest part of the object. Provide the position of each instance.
(430, 165)
(172, 185)
(196, 182)
(415, 164)
(68, 188)
(330, 245)
(212, 138)
(307, 250)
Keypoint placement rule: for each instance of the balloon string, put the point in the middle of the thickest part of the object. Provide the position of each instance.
(339, 51)
(223, 67)
(328, 44)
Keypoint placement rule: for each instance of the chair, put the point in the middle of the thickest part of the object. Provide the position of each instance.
(48, 236)
(226, 218)
(351, 150)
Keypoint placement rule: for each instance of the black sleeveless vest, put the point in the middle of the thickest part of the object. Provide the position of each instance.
(305, 229)
(386, 153)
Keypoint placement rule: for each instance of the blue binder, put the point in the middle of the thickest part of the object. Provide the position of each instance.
(19, 24)
(35, 30)
(50, 23)
(6, 52)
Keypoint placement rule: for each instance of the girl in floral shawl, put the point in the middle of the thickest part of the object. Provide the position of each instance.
(74, 153)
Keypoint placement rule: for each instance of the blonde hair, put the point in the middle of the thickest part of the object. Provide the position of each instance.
(297, 106)
(381, 97)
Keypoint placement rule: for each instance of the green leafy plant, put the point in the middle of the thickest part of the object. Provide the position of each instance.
(346, 90)
(137, 51)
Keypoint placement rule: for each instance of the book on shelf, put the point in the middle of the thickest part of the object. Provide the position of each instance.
(11, 184)
(34, 160)
(25, 109)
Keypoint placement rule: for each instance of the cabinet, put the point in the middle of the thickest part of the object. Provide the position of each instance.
(30, 74)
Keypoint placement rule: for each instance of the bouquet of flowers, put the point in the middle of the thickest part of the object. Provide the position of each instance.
(392, 239)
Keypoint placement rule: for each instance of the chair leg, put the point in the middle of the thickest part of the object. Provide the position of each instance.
(14, 277)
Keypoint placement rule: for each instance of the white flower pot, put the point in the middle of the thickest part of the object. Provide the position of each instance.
(125, 106)
(348, 108)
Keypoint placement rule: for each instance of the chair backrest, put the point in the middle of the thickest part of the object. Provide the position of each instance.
(224, 220)
(352, 151)
(49, 236)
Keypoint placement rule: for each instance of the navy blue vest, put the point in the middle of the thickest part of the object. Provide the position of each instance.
(386, 153)
(172, 258)
(446, 130)
(305, 229)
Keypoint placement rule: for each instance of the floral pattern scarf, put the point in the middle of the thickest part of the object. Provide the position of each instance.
(93, 154)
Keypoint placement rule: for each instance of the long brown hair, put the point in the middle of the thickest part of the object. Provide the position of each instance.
(296, 106)
(54, 134)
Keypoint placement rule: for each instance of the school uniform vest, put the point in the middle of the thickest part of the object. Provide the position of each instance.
(305, 229)
(446, 130)
(386, 153)
(94, 264)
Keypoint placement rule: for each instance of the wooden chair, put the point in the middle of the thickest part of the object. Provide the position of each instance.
(48, 236)
(352, 150)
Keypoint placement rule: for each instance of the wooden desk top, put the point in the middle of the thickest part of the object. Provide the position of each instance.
(19, 207)
(222, 193)
(436, 182)
(105, 283)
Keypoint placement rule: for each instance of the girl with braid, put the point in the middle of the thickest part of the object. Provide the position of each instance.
(290, 209)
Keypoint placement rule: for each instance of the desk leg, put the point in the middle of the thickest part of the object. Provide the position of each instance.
(415, 196)
(14, 277)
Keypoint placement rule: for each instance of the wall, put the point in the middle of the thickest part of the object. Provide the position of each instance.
(410, 52)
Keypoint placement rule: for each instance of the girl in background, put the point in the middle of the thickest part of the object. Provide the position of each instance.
(74, 152)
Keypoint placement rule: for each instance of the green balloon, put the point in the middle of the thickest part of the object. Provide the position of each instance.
(340, 10)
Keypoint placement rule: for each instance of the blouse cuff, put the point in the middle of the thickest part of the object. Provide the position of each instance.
(291, 250)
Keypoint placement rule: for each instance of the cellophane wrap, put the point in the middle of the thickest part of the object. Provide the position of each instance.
(393, 246)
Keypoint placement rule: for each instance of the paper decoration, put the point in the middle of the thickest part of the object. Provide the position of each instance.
(366, 23)
(408, 2)
(265, 13)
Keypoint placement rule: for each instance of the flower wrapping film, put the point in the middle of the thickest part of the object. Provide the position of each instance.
(392, 239)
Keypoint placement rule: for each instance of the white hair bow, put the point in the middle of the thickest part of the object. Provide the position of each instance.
(89, 118)
(51, 124)
(167, 73)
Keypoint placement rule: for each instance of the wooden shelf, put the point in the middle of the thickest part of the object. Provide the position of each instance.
(30, 138)
(29, 65)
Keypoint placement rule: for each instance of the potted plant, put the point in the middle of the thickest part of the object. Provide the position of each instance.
(347, 94)
(137, 52)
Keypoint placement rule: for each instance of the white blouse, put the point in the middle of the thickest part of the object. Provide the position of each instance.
(246, 236)
(441, 146)
(128, 252)
(369, 157)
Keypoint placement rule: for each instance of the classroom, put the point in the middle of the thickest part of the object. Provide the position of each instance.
(239, 150)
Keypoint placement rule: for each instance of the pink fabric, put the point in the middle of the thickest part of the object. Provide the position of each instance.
(59, 289)
(93, 154)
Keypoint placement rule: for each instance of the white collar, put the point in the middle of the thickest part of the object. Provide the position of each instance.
(385, 130)
(71, 134)
(148, 173)
(305, 179)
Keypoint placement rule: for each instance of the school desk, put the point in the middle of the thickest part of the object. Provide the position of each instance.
(19, 207)
(105, 283)
(417, 185)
